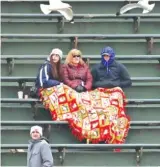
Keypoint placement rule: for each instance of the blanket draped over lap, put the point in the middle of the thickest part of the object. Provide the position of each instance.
(97, 115)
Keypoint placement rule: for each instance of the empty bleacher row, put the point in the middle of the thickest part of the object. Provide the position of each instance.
(54, 23)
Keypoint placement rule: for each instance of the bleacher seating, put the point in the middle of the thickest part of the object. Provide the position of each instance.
(28, 37)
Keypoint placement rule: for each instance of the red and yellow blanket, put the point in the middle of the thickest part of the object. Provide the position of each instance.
(97, 115)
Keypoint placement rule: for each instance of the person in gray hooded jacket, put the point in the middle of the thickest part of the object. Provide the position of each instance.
(39, 152)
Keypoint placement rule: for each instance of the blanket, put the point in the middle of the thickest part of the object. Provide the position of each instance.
(97, 115)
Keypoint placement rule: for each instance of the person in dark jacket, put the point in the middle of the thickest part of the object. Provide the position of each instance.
(110, 73)
(39, 152)
(49, 75)
(50, 72)
(76, 73)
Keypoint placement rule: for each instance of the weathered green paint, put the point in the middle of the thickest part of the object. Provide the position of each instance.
(123, 27)
(20, 112)
(135, 69)
(143, 92)
(148, 136)
(78, 7)
(144, 113)
(90, 48)
(139, 92)
(90, 159)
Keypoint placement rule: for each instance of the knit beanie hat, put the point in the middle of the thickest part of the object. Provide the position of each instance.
(36, 128)
(56, 51)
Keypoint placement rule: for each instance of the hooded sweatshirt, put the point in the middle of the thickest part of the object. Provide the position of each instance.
(39, 154)
(109, 74)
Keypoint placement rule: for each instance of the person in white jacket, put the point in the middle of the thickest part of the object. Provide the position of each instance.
(39, 151)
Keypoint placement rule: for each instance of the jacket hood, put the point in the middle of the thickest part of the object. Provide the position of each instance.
(110, 52)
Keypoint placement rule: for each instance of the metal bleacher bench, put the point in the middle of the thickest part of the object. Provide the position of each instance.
(36, 103)
(76, 0)
(32, 79)
(89, 146)
(31, 100)
(22, 83)
(64, 149)
(76, 16)
(20, 17)
(137, 81)
(10, 59)
(94, 57)
(75, 38)
(80, 36)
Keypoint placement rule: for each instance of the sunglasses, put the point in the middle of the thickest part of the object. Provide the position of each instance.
(76, 56)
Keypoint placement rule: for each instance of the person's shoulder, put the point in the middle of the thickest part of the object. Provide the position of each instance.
(95, 66)
(44, 145)
(85, 65)
(46, 63)
(121, 66)
(64, 65)
(44, 142)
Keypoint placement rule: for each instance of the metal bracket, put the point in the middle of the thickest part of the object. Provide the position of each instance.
(136, 22)
(59, 126)
(62, 154)
(74, 42)
(60, 24)
(10, 64)
(139, 153)
(150, 42)
(47, 131)
(22, 85)
(34, 109)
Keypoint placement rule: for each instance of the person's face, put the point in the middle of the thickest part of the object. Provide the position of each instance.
(55, 58)
(35, 135)
(106, 57)
(76, 59)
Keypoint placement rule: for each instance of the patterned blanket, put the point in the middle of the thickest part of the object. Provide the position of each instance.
(97, 115)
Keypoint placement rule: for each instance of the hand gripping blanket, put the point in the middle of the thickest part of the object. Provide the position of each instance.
(97, 115)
